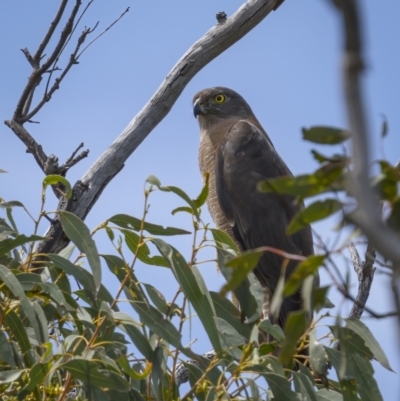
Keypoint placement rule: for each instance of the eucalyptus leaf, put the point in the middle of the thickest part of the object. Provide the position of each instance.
(325, 135)
(316, 211)
(90, 374)
(130, 222)
(54, 179)
(306, 268)
(295, 327)
(77, 231)
(193, 286)
(15, 287)
(8, 244)
(364, 332)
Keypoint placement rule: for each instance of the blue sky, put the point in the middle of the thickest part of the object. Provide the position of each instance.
(287, 68)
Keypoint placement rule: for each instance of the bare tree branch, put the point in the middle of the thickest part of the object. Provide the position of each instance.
(367, 216)
(38, 71)
(30, 143)
(102, 33)
(219, 38)
(38, 55)
(73, 59)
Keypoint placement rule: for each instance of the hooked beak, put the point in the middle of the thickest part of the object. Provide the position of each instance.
(198, 108)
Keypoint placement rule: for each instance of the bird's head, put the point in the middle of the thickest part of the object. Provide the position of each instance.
(212, 105)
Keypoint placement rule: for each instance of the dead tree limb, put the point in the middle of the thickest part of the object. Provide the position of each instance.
(219, 38)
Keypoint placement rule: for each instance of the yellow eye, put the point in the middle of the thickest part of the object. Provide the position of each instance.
(220, 98)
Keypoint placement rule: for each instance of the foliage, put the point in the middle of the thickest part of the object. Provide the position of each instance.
(61, 341)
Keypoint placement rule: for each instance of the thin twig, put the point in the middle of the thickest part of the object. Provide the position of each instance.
(38, 71)
(102, 33)
(38, 55)
(65, 44)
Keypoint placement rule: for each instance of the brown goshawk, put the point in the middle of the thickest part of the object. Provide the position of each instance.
(237, 153)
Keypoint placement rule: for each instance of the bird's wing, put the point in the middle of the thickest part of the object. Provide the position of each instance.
(246, 157)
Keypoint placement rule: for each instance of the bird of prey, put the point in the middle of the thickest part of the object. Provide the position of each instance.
(238, 154)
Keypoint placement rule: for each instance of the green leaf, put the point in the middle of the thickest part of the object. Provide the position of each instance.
(325, 135)
(159, 301)
(129, 222)
(57, 295)
(224, 240)
(54, 179)
(106, 311)
(277, 298)
(304, 386)
(36, 376)
(138, 340)
(201, 199)
(2, 171)
(118, 267)
(295, 327)
(11, 243)
(77, 231)
(267, 348)
(212, 395)
(318, 210)
(338, 361)
(156, 322)
(229, 337)
(386, 182)
(317, 356)
(157, 371)
(153, 180)
(362, 371)
(90, 374)
(320, 298)
(195, 374)
(6, 352)
(17, 329)
(185, 209)
(11, 204)
(365, 333)
(241, 266)
(273, 329)
(15, 287)
(28, 281)
(132, 241)
(80, 274)
(328, 395)
(225, 310)
(319, 157)
(124, 363)
(271, 364)
(255, 393)
(280, 387)
(9, 376)
(249, 292)
(304, 269)
(351, 342)
(182, 194)
(41, 318)
(349, 389)
(194, 288)
(327, 178)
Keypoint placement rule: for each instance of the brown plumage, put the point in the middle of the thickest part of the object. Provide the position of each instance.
(238, 154)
